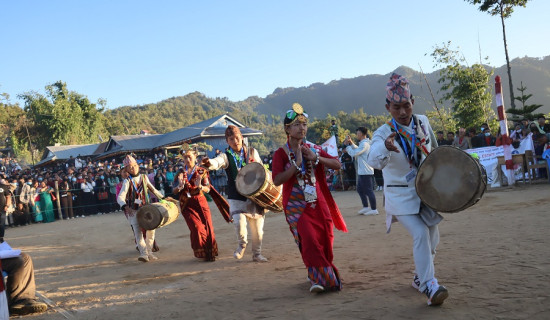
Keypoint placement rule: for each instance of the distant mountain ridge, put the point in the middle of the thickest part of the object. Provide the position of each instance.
(318, 99)
(367, 92)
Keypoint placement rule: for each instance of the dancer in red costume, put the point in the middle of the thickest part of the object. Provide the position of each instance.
(310, 209)
(193, 182)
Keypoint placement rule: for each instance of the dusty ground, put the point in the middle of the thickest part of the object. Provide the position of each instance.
(494, 258)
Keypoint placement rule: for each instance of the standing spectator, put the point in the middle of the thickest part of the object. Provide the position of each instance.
(25, 198)
(112, 181)
(159, 182)
(5, 202)
(169, 178)
(461, 141)
(11, 208)
(365, 172)
(334, 130)
(46, 205)
(87, 203)
(38, 217)
(348, 167)
(102, 193)
(66, 199)
(78, 201)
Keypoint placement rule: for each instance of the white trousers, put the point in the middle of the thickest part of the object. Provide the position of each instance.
(145, 246)
(425, 240)
(256, 223)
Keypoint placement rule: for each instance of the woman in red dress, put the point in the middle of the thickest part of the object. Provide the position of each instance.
(193, 181)
(309, 207)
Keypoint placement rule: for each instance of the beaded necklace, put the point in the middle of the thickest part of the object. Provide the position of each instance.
(239, 158)
(187, 180)
(418, 143)
(305, 174)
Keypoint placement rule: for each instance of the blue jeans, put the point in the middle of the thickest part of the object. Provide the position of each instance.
(364, 188)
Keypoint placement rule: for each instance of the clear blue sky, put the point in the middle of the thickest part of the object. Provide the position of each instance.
(137, 52)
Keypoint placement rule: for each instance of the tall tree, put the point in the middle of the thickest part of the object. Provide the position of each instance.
(467, 88)
(504, 9)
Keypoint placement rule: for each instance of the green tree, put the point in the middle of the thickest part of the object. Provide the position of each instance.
(526, 110)
(447, 123)
(63, 116)
(503, 9)
(468, 89)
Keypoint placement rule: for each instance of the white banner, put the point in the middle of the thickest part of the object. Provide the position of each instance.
(330, 146)
(488, 156)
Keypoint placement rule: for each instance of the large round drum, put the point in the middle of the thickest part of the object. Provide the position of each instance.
(254, 182)
(450, 180)
(156, 215)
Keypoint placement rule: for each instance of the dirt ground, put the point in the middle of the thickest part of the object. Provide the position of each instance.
(493, 257)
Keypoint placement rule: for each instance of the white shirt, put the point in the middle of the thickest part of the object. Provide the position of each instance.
(360, 153)
(400, 194)
(87, 186)
(121, 199)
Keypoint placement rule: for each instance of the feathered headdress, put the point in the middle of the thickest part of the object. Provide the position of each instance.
(195, 147)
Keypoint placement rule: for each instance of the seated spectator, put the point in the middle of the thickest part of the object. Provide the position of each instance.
(461, 141)
(450, 138)
(516, 134)
(20, 287)
(544, 126)
(441, 141)
(488, 139)
(475, 140)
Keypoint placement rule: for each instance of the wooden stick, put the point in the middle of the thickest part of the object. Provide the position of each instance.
(435, 103)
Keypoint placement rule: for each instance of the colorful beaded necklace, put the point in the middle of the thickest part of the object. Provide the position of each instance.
(305, 174)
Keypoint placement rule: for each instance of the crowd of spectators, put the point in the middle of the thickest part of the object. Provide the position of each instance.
(84, 187)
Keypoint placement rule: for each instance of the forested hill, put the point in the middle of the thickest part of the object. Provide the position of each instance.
(348, 95)
(367, 92)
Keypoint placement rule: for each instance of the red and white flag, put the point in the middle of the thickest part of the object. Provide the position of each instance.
(330, 146)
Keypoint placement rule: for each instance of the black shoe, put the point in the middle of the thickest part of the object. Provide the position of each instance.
(24, 307)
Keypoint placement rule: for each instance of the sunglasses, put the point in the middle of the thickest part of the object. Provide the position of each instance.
(291, 114)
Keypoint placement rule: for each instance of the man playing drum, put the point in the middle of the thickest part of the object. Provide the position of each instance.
(398, 148)
(134, 193)
(243, 210)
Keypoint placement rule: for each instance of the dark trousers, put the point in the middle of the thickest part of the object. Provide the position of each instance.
(113, 205)
(2, 224)
(20, 285)
(27, 211)
(364, 188)
(77, 203)
(88, 203)
(67, 205)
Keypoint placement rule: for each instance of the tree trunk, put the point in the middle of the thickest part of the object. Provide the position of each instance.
(512, 103)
